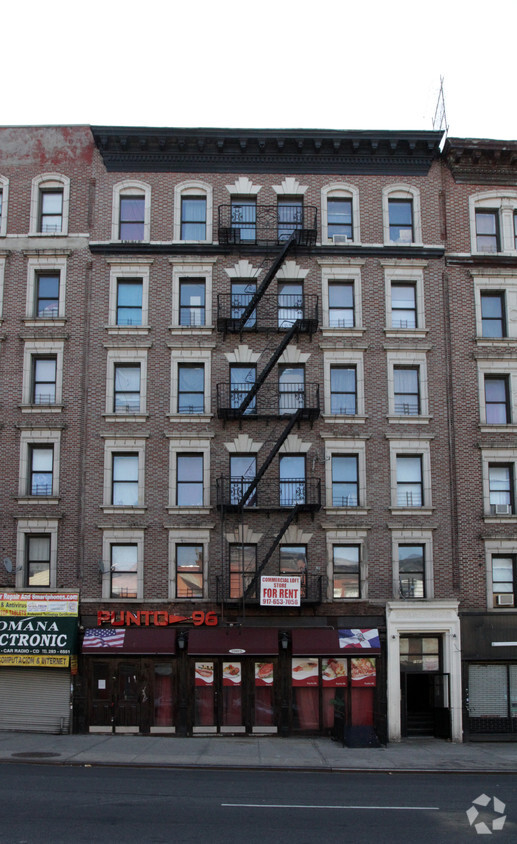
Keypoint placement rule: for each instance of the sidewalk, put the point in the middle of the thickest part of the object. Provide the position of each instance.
(260, 753)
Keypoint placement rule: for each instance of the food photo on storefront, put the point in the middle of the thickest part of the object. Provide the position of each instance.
(154, 672)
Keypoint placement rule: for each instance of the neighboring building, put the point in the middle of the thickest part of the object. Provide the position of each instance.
(231, 355)
(481, 276)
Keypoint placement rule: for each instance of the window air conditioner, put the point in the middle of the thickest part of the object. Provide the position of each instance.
(339, 239)
(501, 509)
(505, 600)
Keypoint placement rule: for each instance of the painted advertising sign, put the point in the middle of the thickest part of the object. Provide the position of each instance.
(38, 630)
(304, 672)
(280, 591)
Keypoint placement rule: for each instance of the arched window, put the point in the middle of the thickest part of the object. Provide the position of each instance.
(50, 201)
(401, 215)
(493, 222)
(340, 214)
(131, 219)
(193, 211)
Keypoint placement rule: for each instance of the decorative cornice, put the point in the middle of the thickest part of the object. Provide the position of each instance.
(132, 149)
(481, 161)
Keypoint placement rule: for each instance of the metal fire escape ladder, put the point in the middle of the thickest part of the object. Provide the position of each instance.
(268, 278)
(275, 357)
(251, 487)
(276, 542)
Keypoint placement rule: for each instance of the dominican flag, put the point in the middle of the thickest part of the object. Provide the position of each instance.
(101, 637)
(355, 638)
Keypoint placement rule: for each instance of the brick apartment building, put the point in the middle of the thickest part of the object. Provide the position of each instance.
(257, 432)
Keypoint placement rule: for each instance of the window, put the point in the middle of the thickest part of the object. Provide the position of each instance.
(403, 306)
(500, 483)
(409, 481)
(343, 390)
(189, 571)
(244, 219)
(131, 211)
(41, 470)
(401, 220)
(242, 379)
(50, 200)
(291, 389)
(51, 211)
(47, 296)
(242, 294)
(290, 217)
(126, 398)
(37, 560)
(124, 571)
(191, 388)
(487, 230)
(292, 480)
(293, 562)
(497, 404)
(193, 218)
(493, 314)
(339, 217)
(43, 380)
(290, 303)
(132, 217)
(341, 304)
(406, 390)
(129, 301)
(504, 578)
(124, 480)
(243, 469)
(4, 196)
(346, 571)
(345, 480)
(515, 229)
(243, 567)
(411, 571)
(189, 480)
(192, 302)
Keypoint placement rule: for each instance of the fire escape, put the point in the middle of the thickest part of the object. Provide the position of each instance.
(256, 310)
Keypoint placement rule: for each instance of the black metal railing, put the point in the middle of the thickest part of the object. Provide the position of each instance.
(252, 224)
(273, 312)
(272, 400)
(232, 493)
(230, 588)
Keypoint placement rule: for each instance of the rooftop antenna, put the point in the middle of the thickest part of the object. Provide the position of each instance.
(440, 116)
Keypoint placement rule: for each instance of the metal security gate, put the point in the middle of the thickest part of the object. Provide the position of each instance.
(35, 700)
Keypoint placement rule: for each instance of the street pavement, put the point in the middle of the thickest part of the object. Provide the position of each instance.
(257, 753)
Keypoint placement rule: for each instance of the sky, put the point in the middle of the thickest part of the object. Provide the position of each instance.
(269, 64)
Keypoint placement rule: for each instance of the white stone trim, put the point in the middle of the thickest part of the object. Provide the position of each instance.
(507, 368)
(125, 356)
(4, 188)
(41, 437)
(347, 274)
(193, 187)
(346, 358)
(490, 456)
(348, 536)
(242, 269)
(497, 283)
(26, 527)
(243, 186)
(243, 444)
(504, 201)
(414, 359)
(122, 536)
(242, 354)
(291, 271)
(189, 445)
(434, 618)
(119, 445)
(131, 187)
(502, 548)
(191, 355)
(413, 536)
(340, 448)
(46, 263)
(405, 275)
(402, 191)
(290, 187)
(49, 181)
(340, 190)
(128, 271)
(411, 448)
(187, 536)
(41, 348)
(201, 272)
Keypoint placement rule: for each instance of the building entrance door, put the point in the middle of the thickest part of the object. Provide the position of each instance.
(120, 695)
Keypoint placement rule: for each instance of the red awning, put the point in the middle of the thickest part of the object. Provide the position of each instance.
(129, 640)
(221, 641)
(317, 642)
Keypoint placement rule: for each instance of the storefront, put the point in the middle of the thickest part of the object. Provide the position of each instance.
(490, 676)
(38, 656)
(207, 679)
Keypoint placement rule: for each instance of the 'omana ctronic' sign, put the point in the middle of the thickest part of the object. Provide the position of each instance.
(38, 630)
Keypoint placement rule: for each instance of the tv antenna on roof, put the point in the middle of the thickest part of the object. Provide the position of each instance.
(440, 115)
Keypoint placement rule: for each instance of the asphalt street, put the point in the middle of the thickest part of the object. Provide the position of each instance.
(60, 804)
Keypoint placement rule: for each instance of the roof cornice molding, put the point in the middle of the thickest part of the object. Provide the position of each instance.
(482, 162)
(131, 149)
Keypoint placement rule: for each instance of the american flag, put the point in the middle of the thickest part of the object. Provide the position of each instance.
(355, 638)
(99, 637)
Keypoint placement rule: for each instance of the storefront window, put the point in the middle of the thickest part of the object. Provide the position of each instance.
(163, 696)
(264, 715)
(322, 687)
